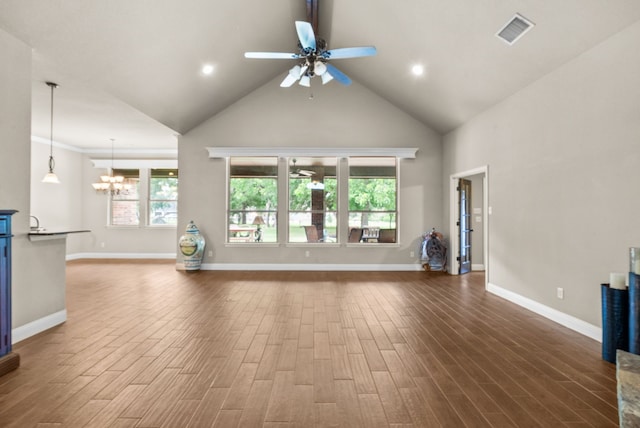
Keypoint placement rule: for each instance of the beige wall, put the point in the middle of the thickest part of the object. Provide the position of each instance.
(58, 207)
(563, 156)
(38, 268)
(338, 117)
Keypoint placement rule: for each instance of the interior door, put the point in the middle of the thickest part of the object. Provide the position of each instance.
(464, 226)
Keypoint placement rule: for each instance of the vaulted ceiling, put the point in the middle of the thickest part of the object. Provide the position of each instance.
(131, 70)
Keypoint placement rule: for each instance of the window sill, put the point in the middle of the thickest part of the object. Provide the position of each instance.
(251, 244)
(374, 244)
(140, 227)
(313, 244)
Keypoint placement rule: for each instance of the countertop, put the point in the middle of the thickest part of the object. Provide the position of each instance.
(42, 234)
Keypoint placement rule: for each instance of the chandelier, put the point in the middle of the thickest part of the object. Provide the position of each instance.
(112, 184)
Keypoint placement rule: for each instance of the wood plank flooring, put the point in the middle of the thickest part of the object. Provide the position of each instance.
(147, 346)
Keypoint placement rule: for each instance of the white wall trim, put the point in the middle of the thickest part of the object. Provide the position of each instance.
(307, 267)
(477, 267)
(340, 152)
(95, 151)
(38, 326)
(78, 256)
(135, 163)
(555, 315)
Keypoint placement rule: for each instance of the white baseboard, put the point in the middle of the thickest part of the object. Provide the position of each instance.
(78, 256)
(555, 315)
(38, 326)
(477, 267)
(305, 267)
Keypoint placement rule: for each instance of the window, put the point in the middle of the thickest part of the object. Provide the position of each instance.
(372, 199)
(163, 197)
(313, 208)
(304, 191)
(151, 198)
(125, 206)
(253, 199)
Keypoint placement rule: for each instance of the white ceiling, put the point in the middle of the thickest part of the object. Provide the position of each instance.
(130, 70)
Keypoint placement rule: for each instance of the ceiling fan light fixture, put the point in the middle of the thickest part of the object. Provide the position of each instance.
(326, 78)
(305, 81)
(319, 68)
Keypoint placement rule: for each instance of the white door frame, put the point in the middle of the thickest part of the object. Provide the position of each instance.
(453, 219)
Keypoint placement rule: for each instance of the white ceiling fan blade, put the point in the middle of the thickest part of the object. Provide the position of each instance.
(350, 52)
(271, 55)
(338, 75)
(305, 35)
(288, 81)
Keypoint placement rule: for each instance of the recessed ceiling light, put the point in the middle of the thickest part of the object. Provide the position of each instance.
(417, 70)
(207, 69)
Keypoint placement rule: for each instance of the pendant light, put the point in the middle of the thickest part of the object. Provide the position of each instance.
(51, 176)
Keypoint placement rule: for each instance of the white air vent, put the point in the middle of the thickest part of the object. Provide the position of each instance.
(514, 29)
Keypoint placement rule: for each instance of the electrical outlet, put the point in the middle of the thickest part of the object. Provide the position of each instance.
(560, 293)
(412, 254)
(102, 244)
(210, 253)
(307, 253)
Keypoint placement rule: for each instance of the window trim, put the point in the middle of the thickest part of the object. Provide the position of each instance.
(397, 210)
(289, 152)
(342, 170)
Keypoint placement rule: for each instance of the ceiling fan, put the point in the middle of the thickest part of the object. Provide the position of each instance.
(313, 54)
(296, 173)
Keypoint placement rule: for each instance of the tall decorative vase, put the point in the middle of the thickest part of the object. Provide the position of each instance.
(634, 300)
(192, 247)
(615, 319)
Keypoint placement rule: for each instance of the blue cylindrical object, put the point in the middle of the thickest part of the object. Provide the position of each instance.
(615, 318)
(634, 313)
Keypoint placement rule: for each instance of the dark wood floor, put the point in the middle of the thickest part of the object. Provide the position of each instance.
(147, 346)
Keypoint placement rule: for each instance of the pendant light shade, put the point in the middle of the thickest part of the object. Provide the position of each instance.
(51, 176)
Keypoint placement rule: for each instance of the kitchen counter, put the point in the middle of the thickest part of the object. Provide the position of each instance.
(44, 234)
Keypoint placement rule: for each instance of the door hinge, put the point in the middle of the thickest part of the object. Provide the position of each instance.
(458, 258)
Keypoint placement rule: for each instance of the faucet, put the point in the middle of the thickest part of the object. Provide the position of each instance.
(37, 223)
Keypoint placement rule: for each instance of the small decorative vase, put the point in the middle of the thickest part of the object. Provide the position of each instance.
(192, 247)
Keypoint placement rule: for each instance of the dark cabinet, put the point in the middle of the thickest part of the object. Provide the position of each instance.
(5, 281)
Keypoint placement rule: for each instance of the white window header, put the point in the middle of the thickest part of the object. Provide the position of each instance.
(135, 163)
(341, 152)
